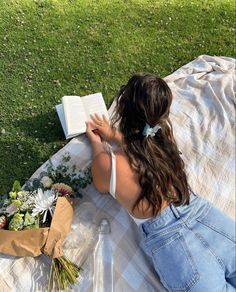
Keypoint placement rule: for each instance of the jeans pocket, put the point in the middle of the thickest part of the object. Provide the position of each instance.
(174, 264)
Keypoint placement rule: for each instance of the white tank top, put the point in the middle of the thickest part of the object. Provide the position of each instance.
(112, 188)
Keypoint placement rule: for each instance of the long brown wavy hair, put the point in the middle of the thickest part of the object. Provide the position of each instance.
(147, 98)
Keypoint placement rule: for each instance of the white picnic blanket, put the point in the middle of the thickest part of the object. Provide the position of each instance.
(203, 119)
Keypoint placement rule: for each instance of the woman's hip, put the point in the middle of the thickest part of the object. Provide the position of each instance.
(191, 246)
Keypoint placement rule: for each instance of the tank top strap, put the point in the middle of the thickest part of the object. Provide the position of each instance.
(112, 188)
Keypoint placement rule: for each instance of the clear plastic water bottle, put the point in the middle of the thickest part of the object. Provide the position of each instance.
(103, 260)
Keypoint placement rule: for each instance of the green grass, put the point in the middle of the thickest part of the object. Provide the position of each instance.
(53, 48)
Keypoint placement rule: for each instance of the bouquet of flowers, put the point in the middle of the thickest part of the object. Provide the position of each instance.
(36, 218)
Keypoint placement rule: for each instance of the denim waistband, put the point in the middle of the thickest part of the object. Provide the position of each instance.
(171, 215)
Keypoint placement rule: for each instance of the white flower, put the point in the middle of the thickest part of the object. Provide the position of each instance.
(46, 182)
(44, 202)
(28, 204)
(23, 195)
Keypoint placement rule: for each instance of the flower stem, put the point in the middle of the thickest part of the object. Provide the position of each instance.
(50, 276)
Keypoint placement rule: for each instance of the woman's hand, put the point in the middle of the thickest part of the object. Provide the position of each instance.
(93, 135)
(95, 139)
(103, 127)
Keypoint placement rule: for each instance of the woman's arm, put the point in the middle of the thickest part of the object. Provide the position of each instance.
(97, 148)
(100, 160)
(95, 139)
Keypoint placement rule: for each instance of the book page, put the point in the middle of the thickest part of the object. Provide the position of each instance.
(94, 103)
(60, 112)
(75, 115)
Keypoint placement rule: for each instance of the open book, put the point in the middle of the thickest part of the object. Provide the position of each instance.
(74, 111)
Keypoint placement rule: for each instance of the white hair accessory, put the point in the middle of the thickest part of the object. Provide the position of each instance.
(148, 131)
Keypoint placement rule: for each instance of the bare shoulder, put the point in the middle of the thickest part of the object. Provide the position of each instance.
(120, 155)
(101, 168)
(102, 162)
(101, 171)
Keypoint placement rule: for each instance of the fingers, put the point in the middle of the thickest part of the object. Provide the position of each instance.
(91, 130)
(94, 118)
(105, 119)
(97, 120)
(89, 126)
(98, 117)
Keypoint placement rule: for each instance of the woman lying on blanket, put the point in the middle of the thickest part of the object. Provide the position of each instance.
(191, 243)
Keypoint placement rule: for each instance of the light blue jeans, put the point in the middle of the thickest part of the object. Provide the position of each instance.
(192, 247)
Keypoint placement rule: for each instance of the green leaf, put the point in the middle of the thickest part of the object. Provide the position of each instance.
(16, 186)
(16, 222)
(17, 203)
(29, 220)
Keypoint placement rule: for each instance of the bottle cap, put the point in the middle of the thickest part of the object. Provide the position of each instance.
(104, 226)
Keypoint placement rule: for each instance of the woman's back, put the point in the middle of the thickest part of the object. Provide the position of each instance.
(127, 188)
(151, 166)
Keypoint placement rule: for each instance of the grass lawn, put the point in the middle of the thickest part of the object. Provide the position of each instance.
(51, 48)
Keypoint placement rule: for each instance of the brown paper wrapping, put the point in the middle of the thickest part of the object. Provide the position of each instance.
(36, 241)
(23, 243)
(60, 227)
